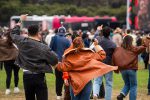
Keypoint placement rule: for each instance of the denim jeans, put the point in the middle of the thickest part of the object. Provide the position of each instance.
(108, 88)
(130, 83)
(149, 79)
(84, 94)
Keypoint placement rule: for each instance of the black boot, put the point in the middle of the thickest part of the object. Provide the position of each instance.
(120, 96)
(148, 92)
(102, 92)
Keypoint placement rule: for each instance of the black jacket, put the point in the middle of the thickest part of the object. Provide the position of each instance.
(33, 55)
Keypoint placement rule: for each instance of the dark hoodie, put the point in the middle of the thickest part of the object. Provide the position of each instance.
(59, 44)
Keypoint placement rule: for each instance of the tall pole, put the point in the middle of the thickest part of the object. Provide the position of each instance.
(128, 15)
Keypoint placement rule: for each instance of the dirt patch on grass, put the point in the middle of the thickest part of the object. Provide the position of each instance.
(142, 95)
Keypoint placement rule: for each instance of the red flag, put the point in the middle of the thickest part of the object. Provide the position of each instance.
(130, 22)
(130, 1)
(136, 3)
(136, 23)
(130, 8)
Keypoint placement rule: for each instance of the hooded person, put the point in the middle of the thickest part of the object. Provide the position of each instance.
(59, 44)
(81, 66)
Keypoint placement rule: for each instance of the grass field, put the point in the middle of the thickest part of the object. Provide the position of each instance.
(117, 85)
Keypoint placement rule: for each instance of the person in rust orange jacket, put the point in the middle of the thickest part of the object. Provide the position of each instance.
(82, 65)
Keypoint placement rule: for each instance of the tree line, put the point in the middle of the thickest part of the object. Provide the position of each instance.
(9, 8)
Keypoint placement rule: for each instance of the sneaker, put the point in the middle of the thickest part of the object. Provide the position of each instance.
(7, 92)
(120, 96)
(58, 98)
(16, 90)
(95, 97)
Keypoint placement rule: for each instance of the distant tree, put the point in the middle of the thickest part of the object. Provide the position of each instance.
(9, 8)
(24, 1)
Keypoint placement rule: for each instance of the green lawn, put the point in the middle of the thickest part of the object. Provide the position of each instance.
(50, 80)
(117, 85)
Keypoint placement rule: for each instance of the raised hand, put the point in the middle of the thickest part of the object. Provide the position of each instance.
(23, 17)
(100, 27)
(66, 82)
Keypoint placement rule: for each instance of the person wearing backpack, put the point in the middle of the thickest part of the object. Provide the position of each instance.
(59, 43)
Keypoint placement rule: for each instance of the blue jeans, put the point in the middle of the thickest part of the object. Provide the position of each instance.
(84, 94)
(149, 79)
(130, 81)
(108, 89)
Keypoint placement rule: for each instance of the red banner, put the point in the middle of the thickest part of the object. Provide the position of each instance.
(136, 3)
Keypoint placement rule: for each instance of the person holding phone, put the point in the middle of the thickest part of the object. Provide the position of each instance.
(82, 65)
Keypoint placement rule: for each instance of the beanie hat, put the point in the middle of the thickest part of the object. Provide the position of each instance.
(62, 30)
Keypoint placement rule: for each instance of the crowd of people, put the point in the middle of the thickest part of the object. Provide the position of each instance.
(80, 59)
